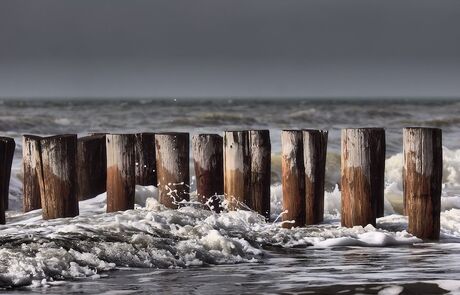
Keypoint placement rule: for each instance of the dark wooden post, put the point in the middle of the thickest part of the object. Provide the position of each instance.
(423, 180)
(173, 174)
(209, 171)
(7, 146)
(120, 172)
(57, 176)
(363, 166)
(315, 147)
(260, 153)
(145, 159)
(91, 166)
(31, 185)
(293, 178)
(237, 168)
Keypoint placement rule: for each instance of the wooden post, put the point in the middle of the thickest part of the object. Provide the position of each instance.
(31, 185)
(363, 166)
(209, 171)
(260, 153)
(145, 159)
(91, 166)
(120, 172)
(57, 176)
(7, 146)
(237, 168)
(173, 174)
(314, 147)
(422, 175)
(293, 178)
(5, 169)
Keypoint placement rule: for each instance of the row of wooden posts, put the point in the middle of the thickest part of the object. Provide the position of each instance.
(60, 170)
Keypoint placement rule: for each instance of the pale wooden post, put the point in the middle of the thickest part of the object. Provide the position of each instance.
(209, 173)
(362, 169)
(172, 162)
(293, 178)
(120, 172)
(57, 176)
(422, 176)
(236, 168)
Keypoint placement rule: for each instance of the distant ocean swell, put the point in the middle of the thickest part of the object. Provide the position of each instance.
(34, 252)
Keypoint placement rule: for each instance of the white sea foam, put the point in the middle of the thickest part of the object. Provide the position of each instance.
(453, 286)
(37, 252)
(391, 290)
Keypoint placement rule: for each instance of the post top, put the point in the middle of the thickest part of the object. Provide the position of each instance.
(119, 134)
(206, 135)
(145, 133)
(315, 130)
(5, 138)
(232, 131)
(364, 128)
(171, 133)
(92, 136)
(58, 136)
(291, 130)
(31, 136)
(421, 128)
(259, 130)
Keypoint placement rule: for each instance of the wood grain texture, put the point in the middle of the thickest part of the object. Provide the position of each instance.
(362, 170)
(7, 146)
(314, 148)
(237, 168)
(293, 178)
(422, 180)
(91, 166)
(145, 159)
(120, 172)
(57, 176)
(172, 162)
(207, 150)
(260, 154)
(30, 160)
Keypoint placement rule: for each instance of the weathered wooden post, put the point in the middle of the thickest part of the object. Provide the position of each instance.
(422, 176)
(31, 185)
(145, 159)
(91, 166)
(172, 162)
(293, 178)
(237, 168)
(209, 171)
(120, 172)
(57, 176)
(363, 166)
(314, 157)
(7, 146)
(260, 154)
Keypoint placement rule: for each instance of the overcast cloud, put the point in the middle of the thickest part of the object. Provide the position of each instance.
(184, 48)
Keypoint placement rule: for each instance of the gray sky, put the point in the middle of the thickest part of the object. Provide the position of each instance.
(184, 48)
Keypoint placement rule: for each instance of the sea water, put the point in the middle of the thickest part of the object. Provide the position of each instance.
(191, 250)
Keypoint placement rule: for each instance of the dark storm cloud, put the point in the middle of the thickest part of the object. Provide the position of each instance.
(90, 47)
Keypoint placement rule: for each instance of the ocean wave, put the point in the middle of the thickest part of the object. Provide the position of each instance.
(215, 119)
(37, 252)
